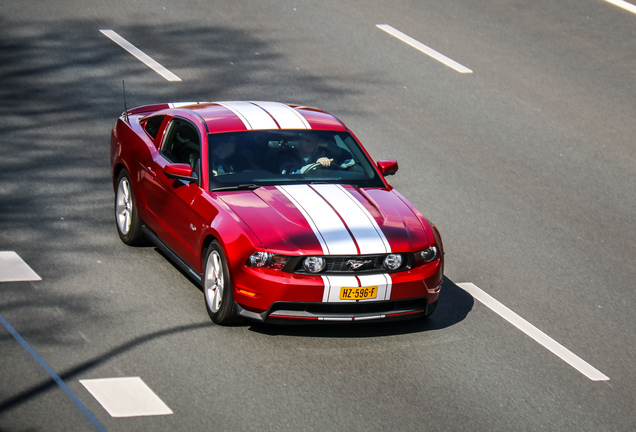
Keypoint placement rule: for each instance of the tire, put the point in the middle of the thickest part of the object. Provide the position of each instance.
(217, 286)
(126, 216)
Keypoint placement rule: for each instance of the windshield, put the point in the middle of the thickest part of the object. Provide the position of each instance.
(262, 158)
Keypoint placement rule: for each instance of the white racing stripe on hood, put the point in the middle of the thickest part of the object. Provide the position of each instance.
(340, 222)
(324, 221)
(365, 230)
(266, 115)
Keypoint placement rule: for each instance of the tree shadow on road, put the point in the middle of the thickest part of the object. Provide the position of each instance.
(61, 95)
(92, 363)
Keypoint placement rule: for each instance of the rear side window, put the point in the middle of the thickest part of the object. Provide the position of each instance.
(152, 125)
(181, 143)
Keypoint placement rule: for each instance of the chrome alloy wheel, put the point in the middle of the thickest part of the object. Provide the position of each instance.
(214, 281)
(124, 206)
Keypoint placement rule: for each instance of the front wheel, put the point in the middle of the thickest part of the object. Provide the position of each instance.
(217, 286)
(126, 216)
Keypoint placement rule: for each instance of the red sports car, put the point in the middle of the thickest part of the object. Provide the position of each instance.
(276, 210)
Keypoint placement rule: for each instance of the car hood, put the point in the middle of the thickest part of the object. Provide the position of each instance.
(328, 219)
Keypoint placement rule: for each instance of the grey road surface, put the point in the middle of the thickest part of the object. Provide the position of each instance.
(527, 165)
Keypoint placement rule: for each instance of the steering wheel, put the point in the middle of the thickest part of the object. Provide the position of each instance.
(310, 167)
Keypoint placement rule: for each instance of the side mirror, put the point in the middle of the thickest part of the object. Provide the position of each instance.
(387, 167)
(180, 172)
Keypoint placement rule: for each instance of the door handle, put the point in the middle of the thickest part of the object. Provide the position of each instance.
(151, 171)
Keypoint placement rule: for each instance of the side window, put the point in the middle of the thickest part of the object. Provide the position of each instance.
(182, 144)
(152, 125)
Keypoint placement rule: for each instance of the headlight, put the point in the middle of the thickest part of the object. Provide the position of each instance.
(427, 255)
(314, 264)
(267, 260)
(393, 261)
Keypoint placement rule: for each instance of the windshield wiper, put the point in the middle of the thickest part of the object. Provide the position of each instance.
(236, 187)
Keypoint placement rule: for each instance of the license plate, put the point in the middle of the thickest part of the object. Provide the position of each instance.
(358, 293)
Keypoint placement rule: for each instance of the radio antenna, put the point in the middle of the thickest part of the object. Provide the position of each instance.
(123, 84)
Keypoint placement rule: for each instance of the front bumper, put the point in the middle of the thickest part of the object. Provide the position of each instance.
(343, 312)
(278, 296)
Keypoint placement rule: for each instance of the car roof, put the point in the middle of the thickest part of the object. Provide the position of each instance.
(234, 116)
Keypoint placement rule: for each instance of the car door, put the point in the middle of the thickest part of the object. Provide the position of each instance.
(169, 201)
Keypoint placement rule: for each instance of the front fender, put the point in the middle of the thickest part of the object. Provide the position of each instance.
(236, 238)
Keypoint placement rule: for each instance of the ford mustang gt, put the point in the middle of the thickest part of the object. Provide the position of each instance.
(275, 210)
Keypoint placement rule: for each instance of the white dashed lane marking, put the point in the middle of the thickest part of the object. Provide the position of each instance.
(14, 269)
(126, 397)
(557, 349)
(140, 55)
(425, 49)
(624, 5)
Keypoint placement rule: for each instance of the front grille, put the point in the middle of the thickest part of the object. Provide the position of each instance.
(350, 264)
(347, 264)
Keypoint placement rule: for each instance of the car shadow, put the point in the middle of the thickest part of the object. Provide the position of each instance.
(453, 306)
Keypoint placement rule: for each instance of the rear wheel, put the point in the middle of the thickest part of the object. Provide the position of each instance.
(126, 216)
(217, 286)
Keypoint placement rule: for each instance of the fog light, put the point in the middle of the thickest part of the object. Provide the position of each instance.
(393, 261)
(314, 264)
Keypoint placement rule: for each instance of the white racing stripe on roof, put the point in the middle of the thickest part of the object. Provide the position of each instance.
(285, 116)
(325, 222)
(252, 116)
(365, 230)
(181, 104)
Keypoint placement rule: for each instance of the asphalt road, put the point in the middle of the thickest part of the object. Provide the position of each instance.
(527, 165)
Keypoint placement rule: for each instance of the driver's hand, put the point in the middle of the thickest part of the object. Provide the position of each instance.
(324, 161)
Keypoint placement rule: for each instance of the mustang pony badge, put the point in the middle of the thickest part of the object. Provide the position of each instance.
(356, 264)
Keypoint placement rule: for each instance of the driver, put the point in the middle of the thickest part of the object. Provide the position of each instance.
(311, 154)
(223, 152)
